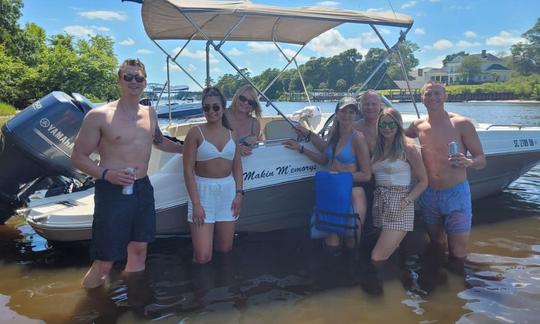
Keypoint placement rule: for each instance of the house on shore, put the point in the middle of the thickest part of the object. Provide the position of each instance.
(492, 69)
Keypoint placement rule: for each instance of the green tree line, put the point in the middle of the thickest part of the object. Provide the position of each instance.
(342, 72)
(34, 64)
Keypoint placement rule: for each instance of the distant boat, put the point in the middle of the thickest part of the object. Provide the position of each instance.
(184, 105)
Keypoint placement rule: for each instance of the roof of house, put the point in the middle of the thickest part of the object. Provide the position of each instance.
(497, 67)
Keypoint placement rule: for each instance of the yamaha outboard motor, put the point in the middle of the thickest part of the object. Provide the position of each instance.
(37, 143)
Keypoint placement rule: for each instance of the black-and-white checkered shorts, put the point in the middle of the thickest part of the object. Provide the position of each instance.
(387, 212)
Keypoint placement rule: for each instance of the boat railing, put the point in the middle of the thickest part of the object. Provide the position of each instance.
(518, 126)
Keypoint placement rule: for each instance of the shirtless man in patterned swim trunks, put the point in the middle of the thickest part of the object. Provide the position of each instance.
(446, 204)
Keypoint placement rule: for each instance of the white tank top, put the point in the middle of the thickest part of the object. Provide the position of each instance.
(392, 173)
(208, 151)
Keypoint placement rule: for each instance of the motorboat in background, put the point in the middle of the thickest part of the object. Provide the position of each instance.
(278, 182)
(179, 103)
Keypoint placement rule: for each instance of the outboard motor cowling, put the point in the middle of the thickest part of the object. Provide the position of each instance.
(38, 142)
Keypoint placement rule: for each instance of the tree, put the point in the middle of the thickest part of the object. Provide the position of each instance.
(341, 85)
(364, 69)
(526, 57)
(263, 80)
(407, 50)
(471, 67)
(450, 57)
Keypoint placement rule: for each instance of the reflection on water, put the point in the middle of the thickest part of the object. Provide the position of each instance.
(282, 277)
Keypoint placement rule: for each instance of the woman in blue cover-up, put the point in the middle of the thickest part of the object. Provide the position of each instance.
(346, 151)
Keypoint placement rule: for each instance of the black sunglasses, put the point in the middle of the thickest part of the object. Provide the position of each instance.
(129, 78)
(390, 124)
(216, 108)
(252, 103)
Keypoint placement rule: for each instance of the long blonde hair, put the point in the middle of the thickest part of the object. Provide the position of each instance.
(257, 110)
(397, 149)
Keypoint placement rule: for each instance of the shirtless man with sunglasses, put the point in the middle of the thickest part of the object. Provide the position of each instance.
(122, 132)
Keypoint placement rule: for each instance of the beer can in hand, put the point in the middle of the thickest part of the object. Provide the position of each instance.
(453, 148)
(128, 189)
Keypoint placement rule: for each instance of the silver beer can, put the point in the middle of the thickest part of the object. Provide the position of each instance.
(453, 148)
(128, 189)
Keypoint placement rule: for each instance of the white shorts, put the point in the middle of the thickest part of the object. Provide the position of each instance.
(216, 195)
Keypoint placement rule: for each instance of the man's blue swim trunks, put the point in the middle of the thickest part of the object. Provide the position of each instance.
(120, 219)
(450, 207)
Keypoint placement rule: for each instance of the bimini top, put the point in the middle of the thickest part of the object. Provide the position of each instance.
(163, 19)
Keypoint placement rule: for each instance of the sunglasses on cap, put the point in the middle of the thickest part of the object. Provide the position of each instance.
(129, 78)
(250, 102)
(215, 107)
(391, 124)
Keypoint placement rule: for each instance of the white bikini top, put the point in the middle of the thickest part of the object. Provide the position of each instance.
(392, 173)
(208, 151)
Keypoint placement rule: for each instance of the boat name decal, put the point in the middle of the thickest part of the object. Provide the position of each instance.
(56, 133)
(278, 171)
(525, 142)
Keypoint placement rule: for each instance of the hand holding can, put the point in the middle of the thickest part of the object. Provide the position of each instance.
(128, 189)
(453, 149)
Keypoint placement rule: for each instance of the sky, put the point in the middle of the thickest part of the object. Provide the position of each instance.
(441, 27)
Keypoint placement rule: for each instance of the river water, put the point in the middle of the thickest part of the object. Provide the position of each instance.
(282, 277)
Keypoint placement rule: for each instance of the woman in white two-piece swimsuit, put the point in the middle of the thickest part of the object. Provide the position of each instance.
(213, 177)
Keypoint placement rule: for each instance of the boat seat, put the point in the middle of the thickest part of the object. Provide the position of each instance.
(279, 129)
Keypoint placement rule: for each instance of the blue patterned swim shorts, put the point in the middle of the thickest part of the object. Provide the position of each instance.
(450, 207)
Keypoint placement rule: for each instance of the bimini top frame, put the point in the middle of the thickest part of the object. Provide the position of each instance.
(221, 21)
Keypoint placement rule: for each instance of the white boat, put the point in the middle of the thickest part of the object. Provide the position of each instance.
(278, 182)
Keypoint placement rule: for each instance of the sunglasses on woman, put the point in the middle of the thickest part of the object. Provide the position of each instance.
(391, 124)
(250, 102)
(216, 108)
(129, 78)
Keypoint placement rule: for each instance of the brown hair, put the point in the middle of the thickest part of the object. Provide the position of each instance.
(131, 62)
(397, 149)
(215, 92)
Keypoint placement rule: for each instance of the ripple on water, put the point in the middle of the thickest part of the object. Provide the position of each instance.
(507, 291)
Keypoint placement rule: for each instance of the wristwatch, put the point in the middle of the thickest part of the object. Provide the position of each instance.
(240, 191)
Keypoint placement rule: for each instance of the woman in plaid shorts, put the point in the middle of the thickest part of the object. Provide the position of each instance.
(395, 162)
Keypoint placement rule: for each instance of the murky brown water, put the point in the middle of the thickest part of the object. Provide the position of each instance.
(282, 278)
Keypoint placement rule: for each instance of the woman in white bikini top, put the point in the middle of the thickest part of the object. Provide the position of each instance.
(213, 177)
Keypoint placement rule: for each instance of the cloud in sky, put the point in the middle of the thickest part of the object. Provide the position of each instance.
(470, 34)
(198, 54)
(420, 31)
(234, 52)
(327, 3)
(375, 9)
(144, 51)
(442, 44)
(127, 42)
(435, 62)
(300, 59)
(408, 4)
(103, 15)
(79, 31)
(260, 47)
(332, 43)
(465, 44)
(504, 39)
(100, 28)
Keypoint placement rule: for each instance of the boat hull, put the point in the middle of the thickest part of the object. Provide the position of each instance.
(279, 188)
